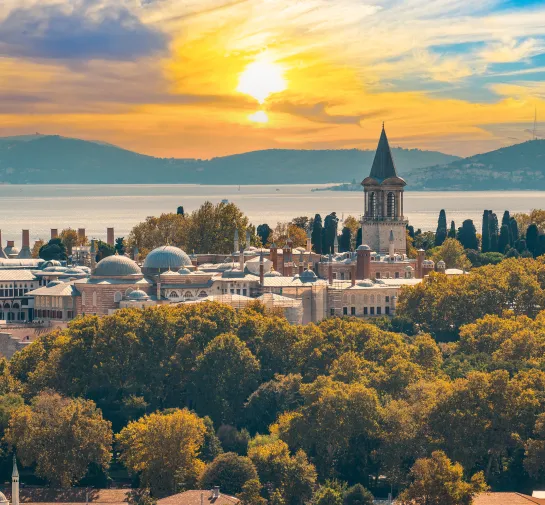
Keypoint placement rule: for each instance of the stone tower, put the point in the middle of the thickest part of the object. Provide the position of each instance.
(15, 483)
(383, 217)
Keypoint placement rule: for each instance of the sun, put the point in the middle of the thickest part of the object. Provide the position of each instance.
(262, 78)
(259, 117)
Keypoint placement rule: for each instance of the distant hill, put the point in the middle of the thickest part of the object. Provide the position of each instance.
(51, 159)
(521, 166)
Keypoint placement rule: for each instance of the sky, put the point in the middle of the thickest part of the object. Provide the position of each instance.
(205, 78)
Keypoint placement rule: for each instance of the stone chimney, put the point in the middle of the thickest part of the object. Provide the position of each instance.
(81, 236)
(25, 252)
(309, 241)
(215, 492)
(301, 263)
(274, 256)
(421, 254)
(363, 262)
(110, 236)
(54, 233)
(330, 270)
(353, 273)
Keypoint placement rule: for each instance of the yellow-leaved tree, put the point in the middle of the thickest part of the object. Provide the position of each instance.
(163, 448)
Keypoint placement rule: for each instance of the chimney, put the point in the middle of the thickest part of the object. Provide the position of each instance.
(236, 245)
(81, 236)
(301, 263)
(26, 238)
(330, 270)
(391, 245)
(419, 261)
(353, 273)
(241, 259)
(25, 252)
(110, 236)
(54, 233)
(215, 492)
(274, 256)
(261, 270)
(309, 241)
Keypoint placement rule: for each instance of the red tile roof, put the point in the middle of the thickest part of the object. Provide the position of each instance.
(195, 497)
(507, 499)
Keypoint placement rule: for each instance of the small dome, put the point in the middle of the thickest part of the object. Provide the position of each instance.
(296, 276)
(116, 266)
(409, 268)
(166, 257)
(138, 294)
(364, 247)
(428, 263)
(272, 273)
(54, 283)
(75, 271)
(55, 269)
(308, 276)
(366, 283)
(184, 271)
(441, 264)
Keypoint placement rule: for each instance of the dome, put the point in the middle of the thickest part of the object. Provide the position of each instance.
(3, 498)
(184, 271)
(55, 269)
(138, 295)
(366, 283)
(364, 247)
(116, 266)
(441, 264)
(308, 276)
(428, 263)
(165, 258)
(273, 273)
(54, 283)
(409, 268)
(75, 271)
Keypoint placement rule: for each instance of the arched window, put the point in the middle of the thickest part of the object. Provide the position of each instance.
(372, 298)
(173, 294)
(391, 205)
(378, 298)
(353, 299)
(372, 204)
(83, 297)
(15, 305)
(118, 296)
(188, 295)
(202, 294)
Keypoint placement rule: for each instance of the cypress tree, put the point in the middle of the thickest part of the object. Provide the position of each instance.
(359, 239)
(494, 231)
(503, 242)
(316, 235)
(452, 231)
(345, 240)
(505, 221)
(330, 229)
(541, 245)
(514, 230)
(441, 233)
(532, 239)
(467, 235)
(410, 229)
(485, 239)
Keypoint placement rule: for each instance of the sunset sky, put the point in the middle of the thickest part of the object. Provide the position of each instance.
(203, 78)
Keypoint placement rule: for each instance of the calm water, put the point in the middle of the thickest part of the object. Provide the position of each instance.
(96, 207)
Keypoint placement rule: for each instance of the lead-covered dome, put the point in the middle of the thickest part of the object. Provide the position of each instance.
(166, 258)
(116, 266)
(138, 295)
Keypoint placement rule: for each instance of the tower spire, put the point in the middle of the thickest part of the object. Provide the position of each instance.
(15, 483)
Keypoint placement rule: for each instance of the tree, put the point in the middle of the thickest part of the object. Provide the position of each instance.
(120, 246)
(532, 239)
(211, 447)
(359, 237)
(424, 240)
(233, 440)
(36, 248)
(452, 253)
(288, 231)
(264, 231)
(494, 231)
(225, 376)
(329, 233)
(441, 233)
(230, 472)
(534, 463)
(352, 224)
(154, 232)
(358, 495)
(504, 239)
(163, 449)
(345, 240)
(141, 496)
(54, 429)
(514, 230)
(437, 481)
(104, 250)
(301, 222)
(69, 238)
(180, 211)
(327, 496)
(452, 230)
(53, 250)
(251, 493)
(485, 235)
(316, 236)
(467, 235)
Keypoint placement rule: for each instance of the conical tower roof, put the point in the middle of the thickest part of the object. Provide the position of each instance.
(383, 165)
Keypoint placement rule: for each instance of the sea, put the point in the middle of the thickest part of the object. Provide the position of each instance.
(97, 207)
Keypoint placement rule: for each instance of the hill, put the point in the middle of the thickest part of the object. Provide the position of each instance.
(51, 159)
(521, 166)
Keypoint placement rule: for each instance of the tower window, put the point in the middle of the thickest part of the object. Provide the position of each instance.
(373, 204)
(391, 205)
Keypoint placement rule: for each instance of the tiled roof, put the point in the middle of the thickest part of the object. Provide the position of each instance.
(278, 282)
(507, 499)
(17, 275)
(64, 289)
(196, 498)
(71, 496)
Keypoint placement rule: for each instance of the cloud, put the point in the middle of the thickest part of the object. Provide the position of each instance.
(318, 113)
(510, 51)
(81, 30)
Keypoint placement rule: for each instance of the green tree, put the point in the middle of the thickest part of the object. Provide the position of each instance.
(233, 440)
(441, 233)
(345, 240)
(534, 463)
(230, 472)
(163, 449)
(53, 250)
(316, 236)
(532, 239)
(504, 239)
(452, 253)
(225, 376)
(358, 495)
(264, 232)
(467, 235)
(141, 496)
(485, 235)
(69, 238)
(514, 230)
(120, 246)
(327, 496)
(437, 481)
(251, 493)
(172, 229)
(54, 429)
(452, 230)
(104, 250)
(329, 233)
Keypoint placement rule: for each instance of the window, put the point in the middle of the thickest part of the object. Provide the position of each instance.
(377, 275)
(94, 298)
(387, 299)
(332, 311)
(364, 311)
(372, 205)
(352, 311)
(387, 310)
(345, 311)
(397, 275)
(342, 276)
(379, 311)
(372, 309)
(117, 297)
(391, 205)
(244, 292)
(188, 295)
(202, 294)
